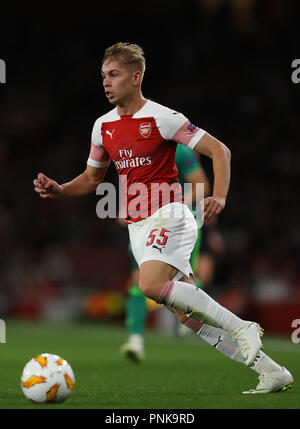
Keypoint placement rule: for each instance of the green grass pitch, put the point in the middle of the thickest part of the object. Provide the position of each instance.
(177, 373)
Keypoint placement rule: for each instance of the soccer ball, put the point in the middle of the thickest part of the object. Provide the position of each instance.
(47, 378)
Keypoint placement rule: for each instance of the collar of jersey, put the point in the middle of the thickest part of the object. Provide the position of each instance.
(136, 114)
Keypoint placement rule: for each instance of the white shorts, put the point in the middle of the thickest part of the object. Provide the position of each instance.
(169, 235)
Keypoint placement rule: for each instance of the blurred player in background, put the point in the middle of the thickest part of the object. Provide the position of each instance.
(140, 136)
(189, 171)
(212, 249)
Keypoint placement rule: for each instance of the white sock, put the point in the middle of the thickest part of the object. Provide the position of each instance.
(264, 363)
(221, 341)
(194, 302)
(137, 339)
(229, 347)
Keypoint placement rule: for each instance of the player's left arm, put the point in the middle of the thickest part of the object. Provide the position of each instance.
(176, 127)
(195, 177)
(221, 156)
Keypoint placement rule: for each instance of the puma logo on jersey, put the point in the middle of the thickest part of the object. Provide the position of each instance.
(110, 133)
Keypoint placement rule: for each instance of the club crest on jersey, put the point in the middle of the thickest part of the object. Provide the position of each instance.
(145, 129)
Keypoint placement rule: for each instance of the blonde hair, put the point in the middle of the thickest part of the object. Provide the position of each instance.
(128, 53)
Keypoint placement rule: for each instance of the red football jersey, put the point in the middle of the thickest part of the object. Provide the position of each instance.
(142, 147)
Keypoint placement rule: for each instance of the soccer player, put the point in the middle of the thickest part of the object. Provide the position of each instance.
(140, 137)
(189, 171)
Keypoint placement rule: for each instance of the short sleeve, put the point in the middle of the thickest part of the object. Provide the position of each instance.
(175, 126)
(96, 133)
(98, 156)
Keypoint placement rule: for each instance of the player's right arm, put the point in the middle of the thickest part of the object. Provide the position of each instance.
(84, 184)
(87, 182)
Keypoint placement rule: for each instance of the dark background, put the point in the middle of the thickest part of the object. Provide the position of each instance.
(227, 66)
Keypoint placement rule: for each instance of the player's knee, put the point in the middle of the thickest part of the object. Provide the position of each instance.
(149, 285)
(153, 277)
(147, 288)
